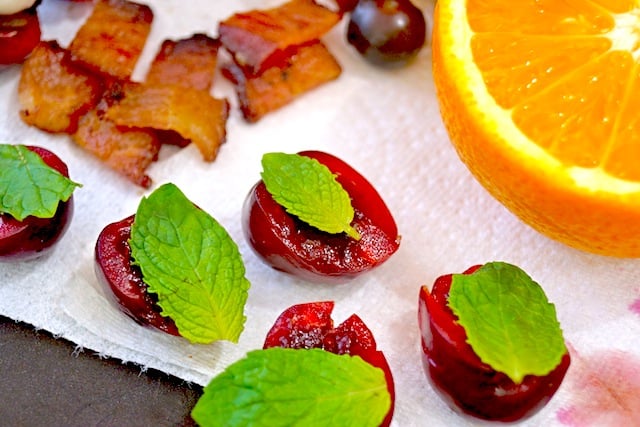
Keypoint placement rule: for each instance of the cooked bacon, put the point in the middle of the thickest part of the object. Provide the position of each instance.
(112, 38)
(128, 151)
(258, 39)
(188, 62)
(53, 92)
(194, 114)
(308, 67)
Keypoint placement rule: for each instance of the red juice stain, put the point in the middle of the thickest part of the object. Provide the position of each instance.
(604, 391)
(635, 307)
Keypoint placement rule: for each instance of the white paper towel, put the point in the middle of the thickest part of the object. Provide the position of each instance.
(386, 124)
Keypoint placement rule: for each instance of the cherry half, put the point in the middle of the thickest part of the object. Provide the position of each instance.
(290, 245)
(33, 237)
(114, 269)
(19, 35)
(309, 325)
(387, 31)
(462, 379)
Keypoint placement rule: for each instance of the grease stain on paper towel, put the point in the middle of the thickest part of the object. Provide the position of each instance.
(604, 391)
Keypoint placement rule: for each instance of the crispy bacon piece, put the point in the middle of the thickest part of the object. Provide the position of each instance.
(128, 151)
(112, 38)
(188, 62)
(307, 67)
(194, 114)
(258, 39)
(53, 92)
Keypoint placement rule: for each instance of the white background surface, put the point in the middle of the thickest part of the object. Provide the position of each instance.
(386, 124)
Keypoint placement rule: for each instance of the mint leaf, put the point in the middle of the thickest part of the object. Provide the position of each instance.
(307, 189)
(192, 264)
(286, 387)
(509, 321)
(28, 186)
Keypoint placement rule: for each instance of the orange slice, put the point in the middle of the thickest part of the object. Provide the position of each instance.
(541, 99)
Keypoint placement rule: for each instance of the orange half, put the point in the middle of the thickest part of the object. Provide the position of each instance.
(542, 103)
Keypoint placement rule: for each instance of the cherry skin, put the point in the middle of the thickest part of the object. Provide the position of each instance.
(345, 6)
(309, 325)
(466, 383)
(290, 245)
(34, 237)
(114, 270)
(19, 35)
(387, 31)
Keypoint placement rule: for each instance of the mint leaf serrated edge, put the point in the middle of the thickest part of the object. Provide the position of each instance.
(189, 260)
(309, 190)
(28, 186)
(281, 386)
(509, 322)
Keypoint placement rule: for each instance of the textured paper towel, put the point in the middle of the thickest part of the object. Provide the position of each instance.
(386, 124)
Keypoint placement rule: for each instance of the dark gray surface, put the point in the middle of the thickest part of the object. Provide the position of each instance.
(44, 383)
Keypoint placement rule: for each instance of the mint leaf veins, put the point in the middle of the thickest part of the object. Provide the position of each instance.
(192, 264)
(307, 189)
(28, 186)
(285, 387)
(509, 322)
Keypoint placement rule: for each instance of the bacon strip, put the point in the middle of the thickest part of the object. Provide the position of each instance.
(194, 114)
(53, 92)
(112, 38)
(307, 67)
(189, 62)
(258, 39)
(128, 151)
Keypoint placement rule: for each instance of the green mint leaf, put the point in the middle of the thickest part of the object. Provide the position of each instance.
(28, 186)
(192, 264)
(510, 323)
(307, 189)
(287, 387)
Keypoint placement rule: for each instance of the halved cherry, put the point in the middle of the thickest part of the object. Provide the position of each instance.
(114, 269)
(19, 35)
(33, 237)
(462, 379)
(288, 244)
(310, 325)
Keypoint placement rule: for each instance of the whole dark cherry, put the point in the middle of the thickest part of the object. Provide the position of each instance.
(33, 237)
(288, 244)
(462, 379)
(309, 325)
(19, 35)
(387, 31)
(114, 269)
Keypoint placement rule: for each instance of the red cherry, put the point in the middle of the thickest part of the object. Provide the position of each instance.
(387, 31)
(33, 237)
(301, 326)
(462, 379)
(114, 270)
(19, 35)
(345, 6)
(290, 245)
(310, 325)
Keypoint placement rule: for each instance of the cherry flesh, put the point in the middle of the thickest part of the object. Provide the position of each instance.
(288, 244)
(387, 31)
(19, 35)
(33, 237)
(115, 270)
(309, 325)
(466, 383)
